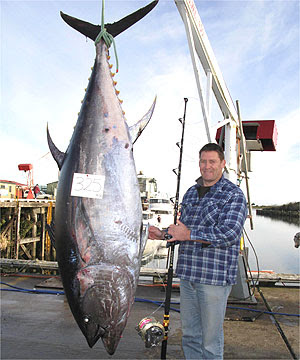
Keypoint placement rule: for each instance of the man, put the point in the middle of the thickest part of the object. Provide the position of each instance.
(213, 213)
(36, 190)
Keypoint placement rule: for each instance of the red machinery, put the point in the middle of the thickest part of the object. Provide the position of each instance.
(28, 168)
(260, 135)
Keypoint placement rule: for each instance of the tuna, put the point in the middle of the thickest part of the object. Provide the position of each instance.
(99, 235)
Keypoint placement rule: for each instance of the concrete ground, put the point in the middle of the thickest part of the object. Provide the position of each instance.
(41, 326)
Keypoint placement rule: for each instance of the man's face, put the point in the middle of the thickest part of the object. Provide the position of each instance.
(211, 167)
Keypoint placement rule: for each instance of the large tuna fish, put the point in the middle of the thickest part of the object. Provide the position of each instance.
(99, 237)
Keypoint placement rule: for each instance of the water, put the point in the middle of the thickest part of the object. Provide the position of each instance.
(273, 241)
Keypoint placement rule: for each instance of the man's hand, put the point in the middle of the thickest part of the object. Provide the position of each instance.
(179, 232)
(155, 233)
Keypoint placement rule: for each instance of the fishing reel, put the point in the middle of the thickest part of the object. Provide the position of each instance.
(151, 331)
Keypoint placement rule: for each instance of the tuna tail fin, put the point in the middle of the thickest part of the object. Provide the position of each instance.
(92, 31)
(57, 155)
(136, 129)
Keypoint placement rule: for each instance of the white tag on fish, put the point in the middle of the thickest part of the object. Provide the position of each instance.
(88, 185)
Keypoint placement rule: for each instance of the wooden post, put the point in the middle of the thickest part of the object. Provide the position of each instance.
(34, 232)
(43, 230)
(18, 220)
(9, 235)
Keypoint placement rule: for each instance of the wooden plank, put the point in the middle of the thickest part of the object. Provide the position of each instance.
(29, 240)
(26, 251)
(53, 265)
(7, 227)
(153, 272)
(271, 276)
(6, 203)
(34, 264)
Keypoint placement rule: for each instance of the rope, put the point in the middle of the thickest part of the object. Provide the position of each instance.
(108, 38)
(48, 240)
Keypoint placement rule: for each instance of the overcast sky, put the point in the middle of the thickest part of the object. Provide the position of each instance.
(45, 66)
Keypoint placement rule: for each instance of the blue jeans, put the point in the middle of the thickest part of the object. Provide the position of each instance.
(202, 312)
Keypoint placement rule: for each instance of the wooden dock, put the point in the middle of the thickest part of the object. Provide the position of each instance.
(40, 265)
(35, 253)
(24, 230)
(269, 278)
(266, 278)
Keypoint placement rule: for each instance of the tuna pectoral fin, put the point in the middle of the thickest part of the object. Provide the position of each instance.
(92, 31)
(57, 155)
(136, 130)
(144, 237)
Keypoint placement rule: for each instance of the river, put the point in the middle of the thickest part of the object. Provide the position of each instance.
(273, 241)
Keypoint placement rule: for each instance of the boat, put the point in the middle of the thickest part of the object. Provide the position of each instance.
(158, 212)
(162, 209)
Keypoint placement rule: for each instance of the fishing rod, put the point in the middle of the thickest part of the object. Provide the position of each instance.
(172, 245)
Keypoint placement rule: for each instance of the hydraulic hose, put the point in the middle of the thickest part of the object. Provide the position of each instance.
(19, 289)
(155, 302)
(278, 326)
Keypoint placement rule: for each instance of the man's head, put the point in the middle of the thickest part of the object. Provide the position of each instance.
(212, 163)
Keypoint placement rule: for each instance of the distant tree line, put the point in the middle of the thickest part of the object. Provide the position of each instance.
(292, 206)
(290, 210)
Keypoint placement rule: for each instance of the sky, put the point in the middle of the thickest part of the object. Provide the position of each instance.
(45, 66)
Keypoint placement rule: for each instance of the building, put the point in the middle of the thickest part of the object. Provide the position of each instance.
(11, 189)
(51, 188)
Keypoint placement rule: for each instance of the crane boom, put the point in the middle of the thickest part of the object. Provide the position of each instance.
(191, 18)
(200, 47)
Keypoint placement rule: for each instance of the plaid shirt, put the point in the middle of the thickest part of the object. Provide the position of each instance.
(217, 217)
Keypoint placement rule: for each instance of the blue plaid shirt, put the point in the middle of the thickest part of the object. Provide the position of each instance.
(217, 217)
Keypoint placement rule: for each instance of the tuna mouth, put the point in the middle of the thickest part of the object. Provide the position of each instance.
(92, 332)
(111, 342)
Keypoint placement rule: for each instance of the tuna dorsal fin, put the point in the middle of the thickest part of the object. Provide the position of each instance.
(58, 156)
(136, 129)
(92, 31)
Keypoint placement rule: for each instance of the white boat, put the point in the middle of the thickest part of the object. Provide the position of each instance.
(162, 209)
(159, 214)
(157, 211)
